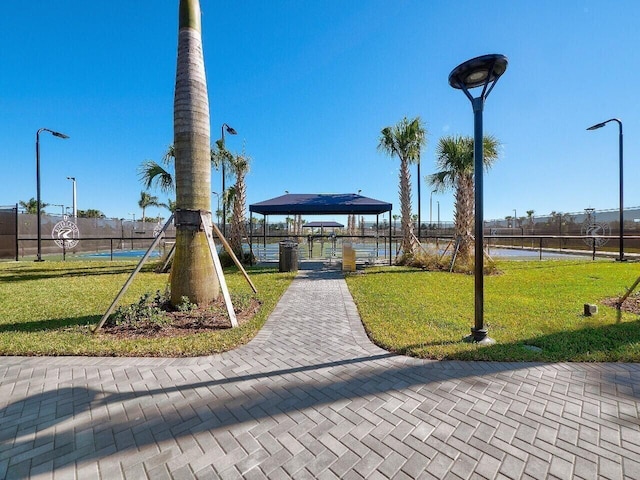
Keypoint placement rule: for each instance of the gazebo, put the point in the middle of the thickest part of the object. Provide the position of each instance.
(320, 204)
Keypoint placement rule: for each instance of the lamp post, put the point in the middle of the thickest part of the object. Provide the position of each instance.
(232, 131)
(431, 206)
(419, 205)
(59, 205)
(438, 202)
(595, 127)
(482, 72)
(218, 209)
(515, 218)
(75, 209)
(39, 220)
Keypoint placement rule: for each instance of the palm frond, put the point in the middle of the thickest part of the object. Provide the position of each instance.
(152, 174)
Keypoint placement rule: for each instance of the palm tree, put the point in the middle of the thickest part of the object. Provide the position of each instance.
(90, 213)
(152, 174)
(240, 167)
(405, 140)
(147, 200)
(454, 158)
(192, 273)
(31, 206)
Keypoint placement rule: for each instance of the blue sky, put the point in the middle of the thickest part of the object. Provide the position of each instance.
(308, 85)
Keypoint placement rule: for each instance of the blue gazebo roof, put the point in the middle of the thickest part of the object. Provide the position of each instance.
(321, 203)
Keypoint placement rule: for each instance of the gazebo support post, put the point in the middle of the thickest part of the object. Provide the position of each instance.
(377, 229)
(390, 237)
(251, 238)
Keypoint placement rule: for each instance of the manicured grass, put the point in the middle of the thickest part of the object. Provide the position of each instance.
(426, 314)
(48, 308)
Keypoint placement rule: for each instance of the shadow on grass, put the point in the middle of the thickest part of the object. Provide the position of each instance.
(606, 343)
(30, 274)
(49, 325)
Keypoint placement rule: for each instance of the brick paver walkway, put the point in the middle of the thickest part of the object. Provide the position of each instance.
(311, 397)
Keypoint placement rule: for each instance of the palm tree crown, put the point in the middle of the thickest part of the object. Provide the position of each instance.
(147, 200)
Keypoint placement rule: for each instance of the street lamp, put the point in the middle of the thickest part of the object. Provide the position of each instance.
(39, 220)
(232, 131)
(218, 209)
(431, 206)
(595, 127)
(419, 204)
(75, 209)
(58, 205)
(482, 72)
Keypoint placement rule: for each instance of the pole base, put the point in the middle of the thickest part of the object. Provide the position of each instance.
(480, 337)
(39, 260)
(621, 259)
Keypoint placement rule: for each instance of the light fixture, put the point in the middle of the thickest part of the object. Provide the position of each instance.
(482, 72)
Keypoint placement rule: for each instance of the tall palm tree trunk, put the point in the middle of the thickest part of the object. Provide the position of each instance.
(238, 226)
(464, 216)
(192, 272)
(408, 243)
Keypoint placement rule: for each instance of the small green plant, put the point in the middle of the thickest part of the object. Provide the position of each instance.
(149, 310)
(185, 305)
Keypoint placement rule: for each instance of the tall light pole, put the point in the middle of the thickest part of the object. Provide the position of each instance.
(39, 220)
(75, 207)
(438, 202)
(482, 72)
(232, 131)
(515, 218)
(218, 209)
(595, 127)
(431, 206)
(419, 204)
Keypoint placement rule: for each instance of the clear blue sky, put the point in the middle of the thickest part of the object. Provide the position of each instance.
(309, 85)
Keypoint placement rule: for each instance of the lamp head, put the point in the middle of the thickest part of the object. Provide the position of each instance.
(596, 126)
(478, 71)
(230, 130)
(59, 135)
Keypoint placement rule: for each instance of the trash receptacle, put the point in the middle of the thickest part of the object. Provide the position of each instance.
(288, 256)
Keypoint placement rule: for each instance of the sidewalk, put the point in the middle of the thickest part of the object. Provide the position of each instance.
(311, 397)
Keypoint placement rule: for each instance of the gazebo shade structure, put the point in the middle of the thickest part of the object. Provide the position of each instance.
(322, 225)
(321, 204)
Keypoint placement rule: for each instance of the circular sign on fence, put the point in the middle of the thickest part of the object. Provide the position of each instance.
(596, 232)
(65, 233)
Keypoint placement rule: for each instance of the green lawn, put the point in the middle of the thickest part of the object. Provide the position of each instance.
(47, 309)
(426, 314)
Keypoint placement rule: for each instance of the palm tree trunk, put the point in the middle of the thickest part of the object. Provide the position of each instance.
(192, 273)
(238, 230)
(464, 216)
(408, 243)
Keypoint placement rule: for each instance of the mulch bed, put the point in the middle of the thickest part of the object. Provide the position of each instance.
(204, 319)
(630, 305)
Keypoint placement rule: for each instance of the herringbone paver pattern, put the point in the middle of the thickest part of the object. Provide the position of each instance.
(311, 397)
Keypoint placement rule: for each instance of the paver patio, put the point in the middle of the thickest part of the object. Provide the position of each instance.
(312, 397)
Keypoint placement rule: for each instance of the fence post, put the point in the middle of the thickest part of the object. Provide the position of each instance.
(540, 248)
(64, 249)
